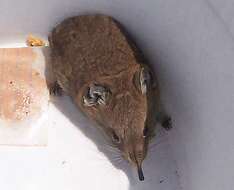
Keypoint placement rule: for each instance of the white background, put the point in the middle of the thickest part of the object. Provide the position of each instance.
(190, 44)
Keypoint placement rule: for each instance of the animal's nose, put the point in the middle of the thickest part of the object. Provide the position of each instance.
(137, 159)
(140, 173)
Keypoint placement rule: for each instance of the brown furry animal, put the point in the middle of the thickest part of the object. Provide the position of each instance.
(96, 63)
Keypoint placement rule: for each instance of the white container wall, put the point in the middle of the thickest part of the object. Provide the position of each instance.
(190, 43)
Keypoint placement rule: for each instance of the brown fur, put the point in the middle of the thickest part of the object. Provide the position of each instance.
(95, 49)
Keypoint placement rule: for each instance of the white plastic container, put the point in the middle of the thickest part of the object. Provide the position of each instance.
(190, 45)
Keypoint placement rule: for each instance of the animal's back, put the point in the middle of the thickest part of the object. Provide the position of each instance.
(87, 48)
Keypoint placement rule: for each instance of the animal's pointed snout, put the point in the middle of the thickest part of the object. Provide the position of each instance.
(137, 159)
(140, 172)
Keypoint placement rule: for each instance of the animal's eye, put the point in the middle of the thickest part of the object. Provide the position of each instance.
(115, 138)
(145, 131)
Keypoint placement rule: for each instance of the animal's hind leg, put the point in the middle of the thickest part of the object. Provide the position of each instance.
(165, 120)
(167, 123)
(161, 116)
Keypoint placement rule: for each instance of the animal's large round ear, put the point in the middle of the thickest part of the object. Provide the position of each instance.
(96, 94)
(143, 79)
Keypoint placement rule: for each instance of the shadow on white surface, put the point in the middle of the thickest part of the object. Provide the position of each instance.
(159, 167)
(193, 55)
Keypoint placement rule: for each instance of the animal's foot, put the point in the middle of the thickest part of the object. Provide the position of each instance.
(55, 89)
(167, 123)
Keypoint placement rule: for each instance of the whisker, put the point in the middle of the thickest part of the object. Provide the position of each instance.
(117, 157)
(112, 147)
(110, 150)
(118, 161)
(107, 148)
(110, 143)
